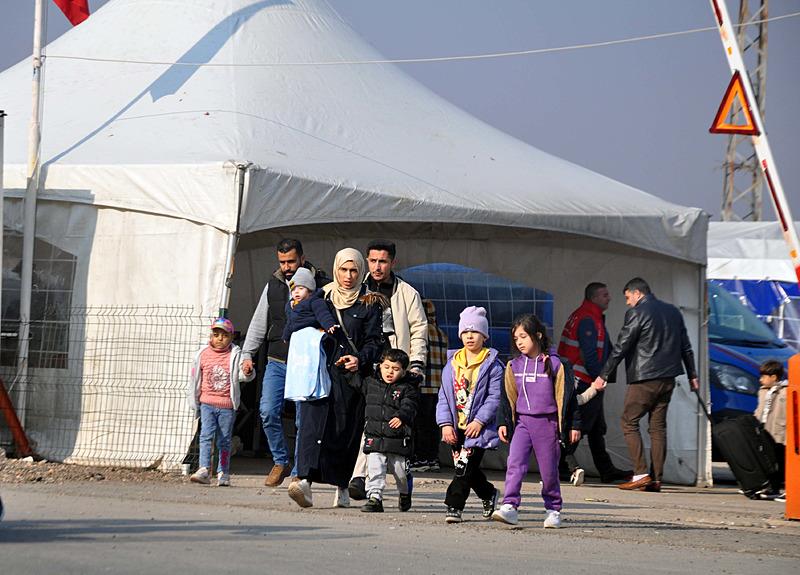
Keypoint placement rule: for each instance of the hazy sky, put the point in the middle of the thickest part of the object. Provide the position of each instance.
(638, 112)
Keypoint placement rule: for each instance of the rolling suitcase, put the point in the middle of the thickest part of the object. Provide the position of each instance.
(748, 450)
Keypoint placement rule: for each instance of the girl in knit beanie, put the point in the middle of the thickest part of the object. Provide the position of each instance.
(468, 400)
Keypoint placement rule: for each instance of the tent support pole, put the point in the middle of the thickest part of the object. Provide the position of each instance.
(233, 240)
(2, 199)
(29, 218)
(705, 476)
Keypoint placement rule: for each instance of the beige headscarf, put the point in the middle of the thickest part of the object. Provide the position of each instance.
(344, 298)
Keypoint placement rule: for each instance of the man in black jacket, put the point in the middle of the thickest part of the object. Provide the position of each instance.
(656, 348)
(268, 323)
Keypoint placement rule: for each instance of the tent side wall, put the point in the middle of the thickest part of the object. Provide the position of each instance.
(108, 375)
(558, 263)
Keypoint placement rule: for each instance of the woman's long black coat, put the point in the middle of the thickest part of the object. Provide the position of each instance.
(331, 428)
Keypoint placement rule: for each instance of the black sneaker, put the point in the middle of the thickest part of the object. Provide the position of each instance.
(453, 515)
(357, 489)
(768, 494)
(489, 505)
(405, 502)
(374, 505)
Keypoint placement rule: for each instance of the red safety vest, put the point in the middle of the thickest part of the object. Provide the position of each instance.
(569, 348)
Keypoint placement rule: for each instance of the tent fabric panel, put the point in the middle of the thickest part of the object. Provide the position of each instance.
(749, 251)
(276, 199)
(204, 194)
(129, 267)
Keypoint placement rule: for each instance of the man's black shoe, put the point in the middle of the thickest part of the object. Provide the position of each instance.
(405, 502)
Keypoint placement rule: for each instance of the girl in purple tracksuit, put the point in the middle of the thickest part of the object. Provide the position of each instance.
(537, 405)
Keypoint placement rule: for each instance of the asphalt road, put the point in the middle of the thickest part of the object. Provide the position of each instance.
(150, 527)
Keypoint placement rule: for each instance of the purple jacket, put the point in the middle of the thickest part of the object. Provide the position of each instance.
(484, 403)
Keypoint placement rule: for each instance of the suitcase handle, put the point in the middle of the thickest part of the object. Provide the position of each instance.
(702, 405)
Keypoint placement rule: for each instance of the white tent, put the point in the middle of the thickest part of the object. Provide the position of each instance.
(748, 251)
(143, 161)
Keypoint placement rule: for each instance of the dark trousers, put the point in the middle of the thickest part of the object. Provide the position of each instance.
(647, 398)
(778, 479)
(473, 478)
(426, 433)
(594, 427)
(597, 445)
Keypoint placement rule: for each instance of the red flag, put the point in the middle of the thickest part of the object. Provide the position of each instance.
(76, 11)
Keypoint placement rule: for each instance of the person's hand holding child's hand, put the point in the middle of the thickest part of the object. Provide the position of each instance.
(599, 384)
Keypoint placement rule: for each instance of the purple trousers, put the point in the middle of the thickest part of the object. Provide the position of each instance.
(537, 434)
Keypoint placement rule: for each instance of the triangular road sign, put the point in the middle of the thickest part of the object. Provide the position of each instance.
(734, 92)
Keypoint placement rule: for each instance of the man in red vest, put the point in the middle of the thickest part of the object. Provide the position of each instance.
(586, 345)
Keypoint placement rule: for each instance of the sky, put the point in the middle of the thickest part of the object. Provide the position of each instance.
(636, 112)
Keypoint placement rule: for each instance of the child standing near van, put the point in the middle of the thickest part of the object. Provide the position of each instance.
(537, 406)
(214, 391)
(466, 411)
(771, 412)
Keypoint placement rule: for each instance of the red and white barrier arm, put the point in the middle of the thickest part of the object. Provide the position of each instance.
(765, 160)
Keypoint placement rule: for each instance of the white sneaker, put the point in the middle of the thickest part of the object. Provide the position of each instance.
(341, 498)
(553, 520)
(300, 492)
(577, 477)
(201, 476)
(223, 479)
(506, 514)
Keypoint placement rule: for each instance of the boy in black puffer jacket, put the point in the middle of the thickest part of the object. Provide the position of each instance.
(391, 400)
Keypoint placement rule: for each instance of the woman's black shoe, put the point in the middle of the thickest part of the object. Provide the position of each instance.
(357, 489)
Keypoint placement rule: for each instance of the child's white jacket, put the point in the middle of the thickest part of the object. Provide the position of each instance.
(237, 375)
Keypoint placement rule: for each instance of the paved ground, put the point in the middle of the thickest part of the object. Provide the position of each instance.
(95, 526)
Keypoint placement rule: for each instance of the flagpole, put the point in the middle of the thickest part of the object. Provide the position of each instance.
(29, 217)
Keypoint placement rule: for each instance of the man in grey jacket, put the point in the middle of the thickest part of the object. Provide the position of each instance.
(405, 326)
(656, 348)
(267, 324)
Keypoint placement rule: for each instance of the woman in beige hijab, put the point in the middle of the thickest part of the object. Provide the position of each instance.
(330, 433)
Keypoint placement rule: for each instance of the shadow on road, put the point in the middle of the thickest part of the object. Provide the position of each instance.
(144, 530)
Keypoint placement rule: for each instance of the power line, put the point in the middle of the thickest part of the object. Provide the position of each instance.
(422, 60)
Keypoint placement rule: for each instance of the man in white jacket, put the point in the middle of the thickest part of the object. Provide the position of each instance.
(405, 326)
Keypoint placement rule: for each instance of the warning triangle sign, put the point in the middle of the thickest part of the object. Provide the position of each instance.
(733, 95)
